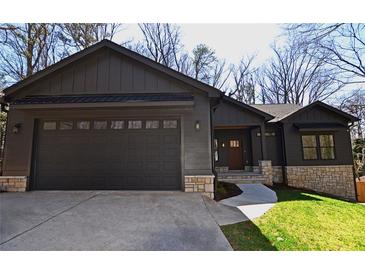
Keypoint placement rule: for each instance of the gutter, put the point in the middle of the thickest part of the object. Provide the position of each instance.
(281, 127)
(213, 107)
(349, 126)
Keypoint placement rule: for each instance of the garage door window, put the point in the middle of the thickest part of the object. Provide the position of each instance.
(170, 124)
(117, 125)
(100, 124)
(66, 125)
(49, 125)
(152, 124)
(135, 124)
(83, 125)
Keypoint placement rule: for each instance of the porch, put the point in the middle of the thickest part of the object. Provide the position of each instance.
(240, 154)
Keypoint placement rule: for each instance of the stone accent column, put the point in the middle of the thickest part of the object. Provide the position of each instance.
(203, 184)
(13, 183)
(337, 180)
(266, 170)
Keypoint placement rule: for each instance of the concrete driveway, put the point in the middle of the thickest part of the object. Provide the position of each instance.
(101, 220)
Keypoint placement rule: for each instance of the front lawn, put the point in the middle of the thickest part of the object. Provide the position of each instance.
(302, 221)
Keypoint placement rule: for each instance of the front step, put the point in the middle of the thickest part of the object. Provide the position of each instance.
(243, 178)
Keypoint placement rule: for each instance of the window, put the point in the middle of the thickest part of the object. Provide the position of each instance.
(309, 143)
(327, 147)
(216, 155)
(135, 124)
(152, 124)
(169, 123)
(49, 125)
(100, 124)
(318, 147)
(83, 125)
(117, 125)
(234, 143)
(66, 125)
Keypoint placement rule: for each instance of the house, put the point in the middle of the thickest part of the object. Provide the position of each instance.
(109, 118)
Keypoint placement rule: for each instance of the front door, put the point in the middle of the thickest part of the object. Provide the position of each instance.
(235, 159)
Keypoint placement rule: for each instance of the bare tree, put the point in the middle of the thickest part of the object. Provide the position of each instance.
(343, 44)
(244, 81)
(295, 76)
(355, 104)
(207, 68)
(77, 36)
(25, 49)
(162, 43)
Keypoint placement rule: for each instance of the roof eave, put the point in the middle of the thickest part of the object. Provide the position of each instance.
(212, 92)
(319, 103)
(261, 113)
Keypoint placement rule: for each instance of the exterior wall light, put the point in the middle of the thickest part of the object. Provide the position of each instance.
(16, 128)
(197, 125)
(223, 145)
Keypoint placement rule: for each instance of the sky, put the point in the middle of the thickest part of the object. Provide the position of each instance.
(230, 41)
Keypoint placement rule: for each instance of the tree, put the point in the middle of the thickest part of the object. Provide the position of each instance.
(355, 105)
(244, 81)
(343, 45)
(294, 76)
(26, 49)
(162, 43)
(76, 36)
(206, 67)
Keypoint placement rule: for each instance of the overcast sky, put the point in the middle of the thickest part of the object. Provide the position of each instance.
(230, 41)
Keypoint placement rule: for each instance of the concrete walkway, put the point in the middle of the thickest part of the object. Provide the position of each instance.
(254, 201)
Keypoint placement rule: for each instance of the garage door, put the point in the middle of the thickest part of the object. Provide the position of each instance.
(130, 154)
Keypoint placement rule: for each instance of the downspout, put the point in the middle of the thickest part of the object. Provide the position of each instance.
(213, 107)
(283, 150)
(3, 108)
(353, 165)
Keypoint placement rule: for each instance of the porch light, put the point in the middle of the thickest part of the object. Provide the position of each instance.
(197, 125)
(16, 128)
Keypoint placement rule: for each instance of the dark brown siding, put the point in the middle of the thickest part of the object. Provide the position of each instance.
(273, 145)
(342, 140)
(104, 72)
(229, 114)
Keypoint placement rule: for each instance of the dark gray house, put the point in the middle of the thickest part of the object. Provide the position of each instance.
(109, 118)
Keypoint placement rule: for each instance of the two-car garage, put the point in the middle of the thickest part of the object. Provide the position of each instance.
(109, 154)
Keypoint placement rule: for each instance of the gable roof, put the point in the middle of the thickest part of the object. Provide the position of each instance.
(339, 112)
(122, 50)
(278, 111)
(265, 115)
(282, 112)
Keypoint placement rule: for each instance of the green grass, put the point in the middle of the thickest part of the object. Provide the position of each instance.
(302, 221)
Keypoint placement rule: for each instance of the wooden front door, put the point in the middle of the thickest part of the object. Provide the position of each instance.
(235, 158)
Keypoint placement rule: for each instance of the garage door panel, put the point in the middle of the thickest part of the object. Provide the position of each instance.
(135, 159)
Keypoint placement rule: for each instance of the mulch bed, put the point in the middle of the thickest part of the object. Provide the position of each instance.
(226, 190)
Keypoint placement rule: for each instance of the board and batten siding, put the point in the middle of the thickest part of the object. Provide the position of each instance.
(228, 114)
(107, 72)
(104, 72)
(294, 154)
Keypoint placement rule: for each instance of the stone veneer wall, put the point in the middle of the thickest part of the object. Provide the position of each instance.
(13, 183)
(277, 174)
(335, 180)
(203, 184)
(266, 170)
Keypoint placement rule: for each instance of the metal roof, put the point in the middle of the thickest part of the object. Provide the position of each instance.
(110, 98)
